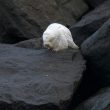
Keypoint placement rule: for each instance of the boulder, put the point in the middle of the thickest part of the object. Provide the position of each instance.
(35, 43)
(38, 79)
(101, 101)
(25, 19)
(96, 50)
(90, 23)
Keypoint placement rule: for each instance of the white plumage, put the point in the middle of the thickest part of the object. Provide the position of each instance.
(58, 37)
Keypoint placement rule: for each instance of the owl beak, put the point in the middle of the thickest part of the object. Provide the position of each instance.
(48, 47)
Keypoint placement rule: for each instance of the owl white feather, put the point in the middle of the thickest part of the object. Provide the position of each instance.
(58, 37)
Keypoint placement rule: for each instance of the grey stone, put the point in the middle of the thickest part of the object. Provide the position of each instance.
(35, 43)
(101, 101)
(38, 79)
(96, 50)
(90, 23)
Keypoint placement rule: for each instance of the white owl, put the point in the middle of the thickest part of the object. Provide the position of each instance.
(58, 37)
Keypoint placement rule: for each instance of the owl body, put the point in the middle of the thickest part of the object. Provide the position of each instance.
(58, 37)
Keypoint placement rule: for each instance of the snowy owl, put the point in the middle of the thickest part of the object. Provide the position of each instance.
(58, 37)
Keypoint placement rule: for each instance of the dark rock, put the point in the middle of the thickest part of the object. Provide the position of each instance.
(90, 23)
(94, 3)
(9, 31)
(96, 49)
(35, 43)
(38, 79)
(25, 19)
(14, 23)
(101, 101)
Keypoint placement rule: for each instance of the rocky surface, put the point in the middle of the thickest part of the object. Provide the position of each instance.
(101, 101)
(97, 52)
(25, 19)
(35, 43)
(92, 34)
(94, 3)
(38, 79)
(90, 23)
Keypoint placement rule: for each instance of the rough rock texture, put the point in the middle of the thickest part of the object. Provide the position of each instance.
(101, 101)
(96, 49)
(38, 79)
(94, 3)
(35, 43)
(24, 19)
(90, 23)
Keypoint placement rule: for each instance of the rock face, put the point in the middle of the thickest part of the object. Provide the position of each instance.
(24, 19)
(101, 101)
(35, 43)
(38, 79)
(97, 52)
(94, 3)
(90, 23)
